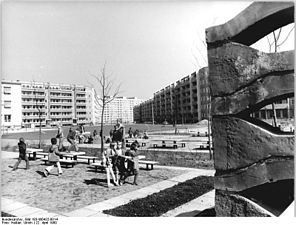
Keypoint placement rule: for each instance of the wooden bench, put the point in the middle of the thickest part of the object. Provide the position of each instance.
(89, 158)
(151, 163)
(66, 162)
(98, 165)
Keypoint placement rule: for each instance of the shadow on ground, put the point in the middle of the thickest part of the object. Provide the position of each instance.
(210, 212)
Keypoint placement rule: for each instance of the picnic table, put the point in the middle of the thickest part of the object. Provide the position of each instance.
(33, 152)
(72, 155)
(164, 143)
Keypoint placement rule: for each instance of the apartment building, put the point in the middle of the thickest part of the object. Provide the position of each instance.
(11, 112)
(47, 104)
(204, 93)
(121, 109)
(143, 112)
(177, 103)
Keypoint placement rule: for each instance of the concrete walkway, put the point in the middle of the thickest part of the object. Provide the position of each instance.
(95, 210)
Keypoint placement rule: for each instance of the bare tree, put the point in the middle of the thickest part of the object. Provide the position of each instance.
(107, 93)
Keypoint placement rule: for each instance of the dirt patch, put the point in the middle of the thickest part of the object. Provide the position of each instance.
(165, 200)
(76, 188)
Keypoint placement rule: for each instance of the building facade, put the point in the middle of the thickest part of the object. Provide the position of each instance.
(11, 112)
(204, 93)
(182, 102)
(120, 109)
(48, 104)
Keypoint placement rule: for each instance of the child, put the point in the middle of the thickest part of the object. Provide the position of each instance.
(133, 163)
(53, 158)
(116, 160)
(135, 160)
(107, 162)
(22, 154)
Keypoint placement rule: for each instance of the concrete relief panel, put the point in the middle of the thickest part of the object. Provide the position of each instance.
(251, 157)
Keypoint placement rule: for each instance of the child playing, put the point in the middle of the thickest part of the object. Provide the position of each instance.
(22, 154)
(107, 162)
(53, 158)
(133, 162)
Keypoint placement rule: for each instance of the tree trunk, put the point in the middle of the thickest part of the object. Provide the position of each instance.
(39, 129)
(102, 129)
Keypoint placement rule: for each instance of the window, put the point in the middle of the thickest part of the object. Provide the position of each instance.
(7, 118)
(7, 90)
(7, 104)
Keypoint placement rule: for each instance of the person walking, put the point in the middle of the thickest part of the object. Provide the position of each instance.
(130, 133)
(53, 158)
(22, 154)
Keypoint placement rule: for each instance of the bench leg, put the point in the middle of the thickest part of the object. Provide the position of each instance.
(151, 166)
(147, 167)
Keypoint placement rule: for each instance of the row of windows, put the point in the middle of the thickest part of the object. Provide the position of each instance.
(33, 120)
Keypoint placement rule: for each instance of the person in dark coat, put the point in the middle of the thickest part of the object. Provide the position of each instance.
(22, 154)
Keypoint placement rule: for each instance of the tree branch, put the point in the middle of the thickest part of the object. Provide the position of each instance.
(286, 37)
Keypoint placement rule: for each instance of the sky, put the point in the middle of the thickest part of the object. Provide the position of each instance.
(146, 45)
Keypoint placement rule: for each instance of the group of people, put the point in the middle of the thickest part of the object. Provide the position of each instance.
(136, 134)
(121, 164)
(53, 156)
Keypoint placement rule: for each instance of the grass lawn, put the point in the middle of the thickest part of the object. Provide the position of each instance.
(49, 133)
(165, 200)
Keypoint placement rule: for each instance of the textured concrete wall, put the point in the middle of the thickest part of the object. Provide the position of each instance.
(249, 154)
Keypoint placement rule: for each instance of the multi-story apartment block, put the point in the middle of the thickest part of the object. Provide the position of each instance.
(121, 109)
(46, 104)
(176, 103)
(204, 94)
(11, 112)
(143, 112)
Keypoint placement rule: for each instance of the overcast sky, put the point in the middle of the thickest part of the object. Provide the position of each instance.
(147, 46)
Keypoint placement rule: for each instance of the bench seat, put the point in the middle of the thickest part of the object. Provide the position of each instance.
(147, 162)
(89, 158)
(66, 162)
(98, 165)
(165, 144)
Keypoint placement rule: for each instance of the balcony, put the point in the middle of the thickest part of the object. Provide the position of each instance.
(33, 117)
(32, 103)
(32, 96)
